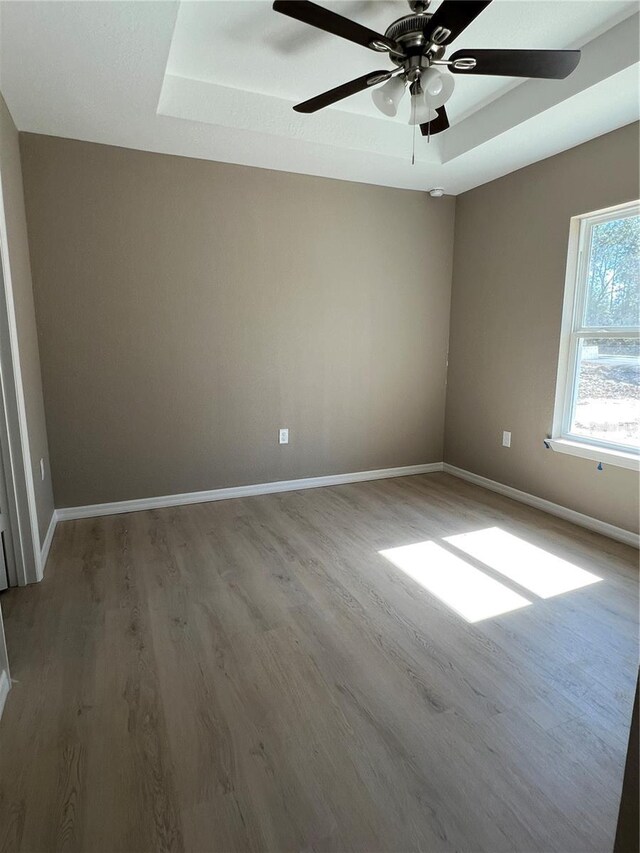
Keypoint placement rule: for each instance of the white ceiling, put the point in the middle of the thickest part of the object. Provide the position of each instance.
(217, 80)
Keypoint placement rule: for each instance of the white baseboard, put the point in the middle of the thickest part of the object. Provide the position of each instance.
(48, 539)
(564, 512)
(5, 686)
(94, 510)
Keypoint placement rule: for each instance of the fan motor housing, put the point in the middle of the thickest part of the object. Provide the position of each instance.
(407, 26)
(408, 33)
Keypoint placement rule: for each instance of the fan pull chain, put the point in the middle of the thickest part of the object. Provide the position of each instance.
(413, 119)
(413, 150)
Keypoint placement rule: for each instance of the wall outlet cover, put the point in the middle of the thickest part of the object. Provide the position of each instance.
(283, 436)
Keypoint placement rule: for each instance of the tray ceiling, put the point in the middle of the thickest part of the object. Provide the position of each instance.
(217, 80)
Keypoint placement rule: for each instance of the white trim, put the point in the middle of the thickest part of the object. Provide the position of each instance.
(46, 545)
(95, 510)
(564, 512)
(29, 567)
(573, 330)
(595, 453)
(5, 687)
(565, 353)
(73, 512)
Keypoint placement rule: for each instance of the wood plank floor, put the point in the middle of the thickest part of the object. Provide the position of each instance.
(252, 675)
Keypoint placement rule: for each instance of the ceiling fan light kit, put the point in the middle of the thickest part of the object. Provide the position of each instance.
(416, 44)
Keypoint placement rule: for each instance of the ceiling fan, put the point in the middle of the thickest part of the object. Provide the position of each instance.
(416, 44)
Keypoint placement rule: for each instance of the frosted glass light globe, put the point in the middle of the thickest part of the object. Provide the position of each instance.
(420, 111)
(444, 85)
(387, 97)
(431, 82)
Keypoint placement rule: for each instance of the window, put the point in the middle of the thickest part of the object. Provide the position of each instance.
(597, 411)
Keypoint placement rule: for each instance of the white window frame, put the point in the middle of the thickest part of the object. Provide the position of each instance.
(572, 331)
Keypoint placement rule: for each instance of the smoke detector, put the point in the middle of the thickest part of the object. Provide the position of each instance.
(436, 192)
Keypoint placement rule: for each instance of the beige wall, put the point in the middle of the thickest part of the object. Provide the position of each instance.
(188, 309)
(20, 273)
(509, 270)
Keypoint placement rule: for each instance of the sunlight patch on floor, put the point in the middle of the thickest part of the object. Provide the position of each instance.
(465, 589)
(531, 567)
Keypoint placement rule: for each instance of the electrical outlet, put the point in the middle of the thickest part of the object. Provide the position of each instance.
(42, 469)
(506, 439)
(283, 436)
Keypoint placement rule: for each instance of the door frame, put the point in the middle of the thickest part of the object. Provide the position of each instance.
(14, 434)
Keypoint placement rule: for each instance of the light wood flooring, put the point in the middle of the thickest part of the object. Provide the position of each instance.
(252, 675)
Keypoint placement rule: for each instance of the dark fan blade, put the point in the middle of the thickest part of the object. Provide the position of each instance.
(551, 64)
(340, 92)
(330, 22)
(437, 125)
(454, 16)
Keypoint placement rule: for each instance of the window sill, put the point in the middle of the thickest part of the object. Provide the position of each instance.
(597, 454)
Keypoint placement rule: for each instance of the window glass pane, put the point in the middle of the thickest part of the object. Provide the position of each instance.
(607, 403)
(613, 276)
